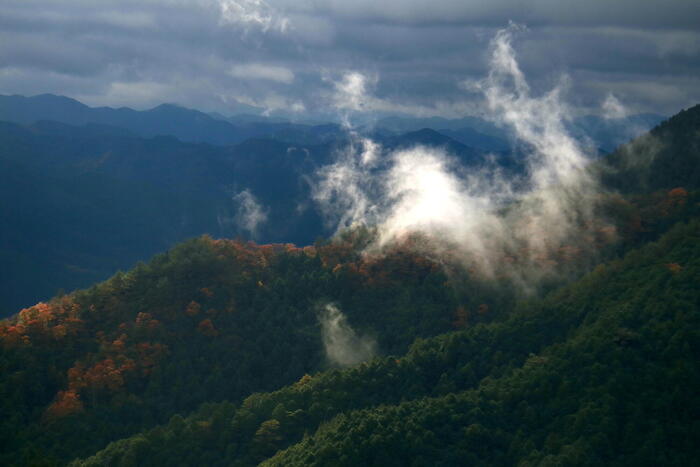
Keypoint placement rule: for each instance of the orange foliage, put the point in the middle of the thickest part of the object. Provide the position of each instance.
(461, 316)
(679, 195)
(146, 321)
(248, 255)
(672, 200)
(13, 335)
(193, 309)
(104, 375)
(66, 403)
(206, 327)
(304, 380)
(675, 268)
(109, 375)
(120, 343)
(59, 331)
(335, 253)
(149, 354)
(54, 321)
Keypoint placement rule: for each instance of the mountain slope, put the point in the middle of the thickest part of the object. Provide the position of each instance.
(210, 320)
(619, 390)
(666, 157)
(585, 376)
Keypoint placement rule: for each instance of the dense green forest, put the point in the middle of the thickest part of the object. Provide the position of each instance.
(214, 353)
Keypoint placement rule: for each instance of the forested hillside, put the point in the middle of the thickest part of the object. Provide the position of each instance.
(209, 320)
(664, 158)
(226, 352)
(603, 371)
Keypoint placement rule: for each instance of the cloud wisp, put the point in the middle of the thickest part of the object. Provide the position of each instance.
(489, 220)
(253, 13)
(342, 345)
(257, 71)
(250, 214)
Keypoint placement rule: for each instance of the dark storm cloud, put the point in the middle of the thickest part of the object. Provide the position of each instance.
(285, 55)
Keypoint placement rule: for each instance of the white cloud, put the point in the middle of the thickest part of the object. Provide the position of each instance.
(351, 92)
(272, 102)
(613, 108)
(262, 71)
(137, 93)
(480, 217)
(253, 13)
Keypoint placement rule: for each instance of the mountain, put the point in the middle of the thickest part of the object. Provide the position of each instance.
(207, 321)
(664, 158)
(609, 133)
(470, 131)
(471, 157)
(79, 203)
(166, 119)
(225, 352)
(406, 124)
(601, 133)
(597, 374)
(193, 126)
(473, 138)
(427, 137)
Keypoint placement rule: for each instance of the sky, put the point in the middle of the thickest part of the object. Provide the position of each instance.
(305, 58)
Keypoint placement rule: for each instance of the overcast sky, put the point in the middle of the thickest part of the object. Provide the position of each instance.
(294, 55)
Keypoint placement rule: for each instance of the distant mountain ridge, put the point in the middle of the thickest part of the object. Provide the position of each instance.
(599, 132)
(185, 124)
(194, 126)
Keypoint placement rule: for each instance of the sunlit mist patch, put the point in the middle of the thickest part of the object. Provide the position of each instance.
(525, 226)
